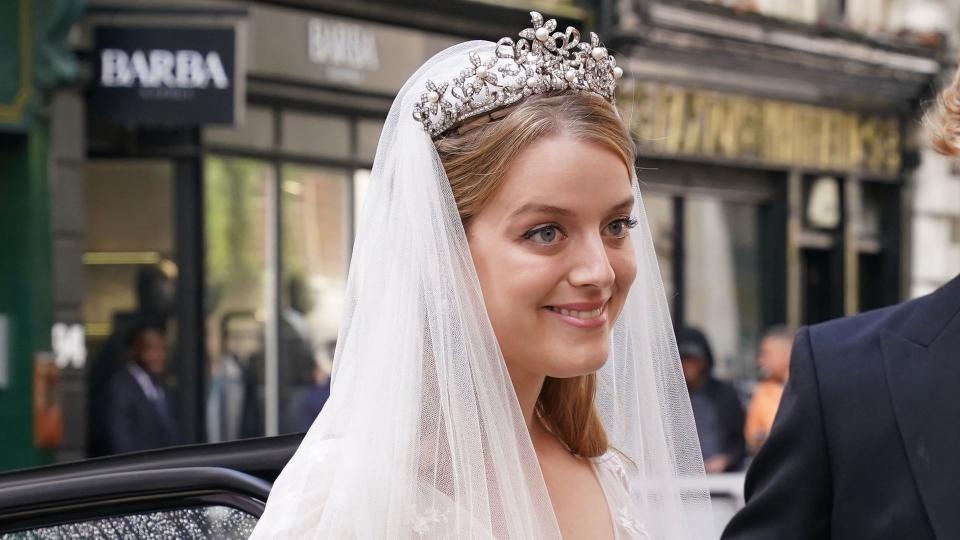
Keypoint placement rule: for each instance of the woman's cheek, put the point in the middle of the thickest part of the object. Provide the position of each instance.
(625, 268)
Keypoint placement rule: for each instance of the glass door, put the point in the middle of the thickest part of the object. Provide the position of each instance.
(237, 195)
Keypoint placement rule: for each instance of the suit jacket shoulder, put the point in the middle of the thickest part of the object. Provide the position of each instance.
(919, 320)
(838, 463)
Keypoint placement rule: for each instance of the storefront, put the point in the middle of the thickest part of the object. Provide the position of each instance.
(232, 219)
(774, 160)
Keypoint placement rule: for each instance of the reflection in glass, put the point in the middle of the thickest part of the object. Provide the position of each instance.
(316, 212)
(199, 523)
(721, 271)
(659, 209)
(129, 223)
(236, 259)
(129, 278)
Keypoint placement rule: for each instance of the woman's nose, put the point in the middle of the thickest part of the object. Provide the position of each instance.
(592, 265)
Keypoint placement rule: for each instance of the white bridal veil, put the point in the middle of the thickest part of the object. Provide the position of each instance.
(422, 436)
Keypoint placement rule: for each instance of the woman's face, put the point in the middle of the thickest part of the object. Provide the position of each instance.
(554, 258)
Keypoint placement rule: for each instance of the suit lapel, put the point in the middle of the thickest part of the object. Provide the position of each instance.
(157, 410)
(924, 381)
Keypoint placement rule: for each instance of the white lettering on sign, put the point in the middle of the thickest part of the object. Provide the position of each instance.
(159, 68)
(341, 44)
(69, 345)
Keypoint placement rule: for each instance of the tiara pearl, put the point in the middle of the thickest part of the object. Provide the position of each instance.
(541, 61)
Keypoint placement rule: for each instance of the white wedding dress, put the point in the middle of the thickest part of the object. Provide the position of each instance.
(628, 521)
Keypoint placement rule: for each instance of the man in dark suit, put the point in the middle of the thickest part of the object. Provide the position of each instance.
(138, 414)
(866, 444)
(154, 292)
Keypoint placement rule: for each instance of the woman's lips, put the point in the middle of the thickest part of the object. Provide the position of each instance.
(581, 315)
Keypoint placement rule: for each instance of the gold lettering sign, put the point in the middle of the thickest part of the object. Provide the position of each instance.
(674, 121)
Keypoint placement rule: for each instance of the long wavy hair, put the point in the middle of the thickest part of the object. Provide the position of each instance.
(476, 162)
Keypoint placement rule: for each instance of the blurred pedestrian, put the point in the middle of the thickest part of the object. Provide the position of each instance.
(298, 358)
(155, 302)
(716, 407)
(865, 444)
(233, 407)
(139, 416)
(774, 360)
(313, 400)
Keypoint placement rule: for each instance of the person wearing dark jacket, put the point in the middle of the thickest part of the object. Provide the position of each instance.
(155, 302)
(139, 416)
(716, 408)
(865, 443)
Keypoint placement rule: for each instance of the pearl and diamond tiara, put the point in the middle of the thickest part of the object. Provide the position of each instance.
(541, 61)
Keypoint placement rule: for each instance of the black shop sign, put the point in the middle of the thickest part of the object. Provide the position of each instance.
(164, 76)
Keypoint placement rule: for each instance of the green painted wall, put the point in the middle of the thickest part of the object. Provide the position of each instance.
(25, 285)
(35, 58)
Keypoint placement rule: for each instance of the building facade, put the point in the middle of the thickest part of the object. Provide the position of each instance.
(225, 148)
(204, 164)
(776, 155)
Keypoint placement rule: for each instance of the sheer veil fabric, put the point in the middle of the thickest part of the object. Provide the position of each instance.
(423, 436)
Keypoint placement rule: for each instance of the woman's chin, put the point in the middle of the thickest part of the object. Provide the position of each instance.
(569, 365)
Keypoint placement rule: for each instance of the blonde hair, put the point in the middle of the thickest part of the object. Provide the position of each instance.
(943, 120)
(477, 161)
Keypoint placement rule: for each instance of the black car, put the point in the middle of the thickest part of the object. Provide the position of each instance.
(190, 492)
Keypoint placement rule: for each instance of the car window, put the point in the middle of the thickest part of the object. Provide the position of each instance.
(196, 523)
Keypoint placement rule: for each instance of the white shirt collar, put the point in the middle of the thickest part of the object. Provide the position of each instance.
(143, 379)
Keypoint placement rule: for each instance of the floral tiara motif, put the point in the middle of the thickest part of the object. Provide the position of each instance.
(540, 61)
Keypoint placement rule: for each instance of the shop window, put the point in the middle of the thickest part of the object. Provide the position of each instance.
(877, 244)
(129, 212)
(871, 281)
(822, 297)
(316, 218)
(129, 279)
(316, 211)
(660, 216)
(870, 218)
(722, 292)
(236, 198)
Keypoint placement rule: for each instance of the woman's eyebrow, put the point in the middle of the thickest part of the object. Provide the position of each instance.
(540, 209)
(626, 204)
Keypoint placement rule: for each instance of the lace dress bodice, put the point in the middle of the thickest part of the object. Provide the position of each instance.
(611, 471)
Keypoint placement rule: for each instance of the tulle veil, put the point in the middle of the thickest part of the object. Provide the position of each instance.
(422, 436)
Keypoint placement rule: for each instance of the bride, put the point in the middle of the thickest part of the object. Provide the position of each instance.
(506, 366)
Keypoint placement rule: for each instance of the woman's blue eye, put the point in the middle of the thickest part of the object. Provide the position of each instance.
(547, 234)
(620, 227)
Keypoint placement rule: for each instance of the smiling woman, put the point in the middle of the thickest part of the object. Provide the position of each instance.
(545, 195)
(506, 367)
(548, 237)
